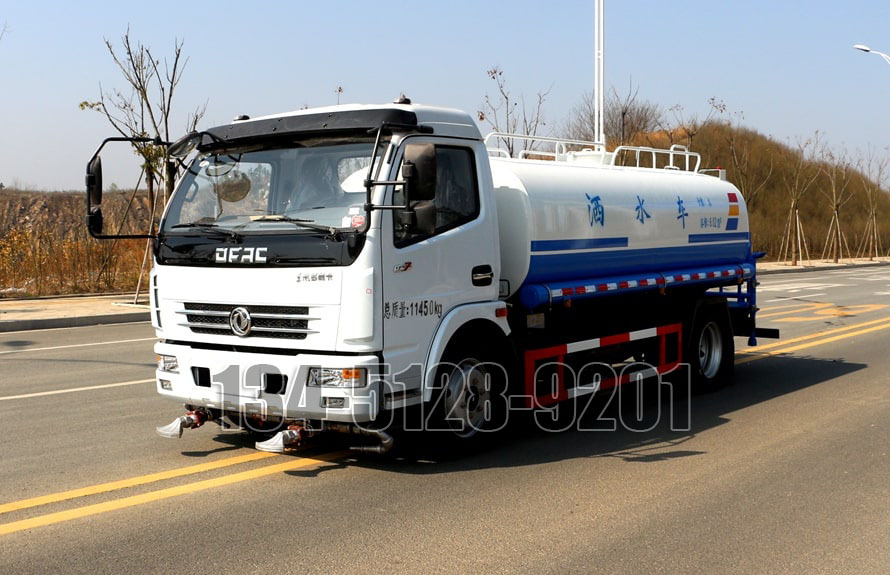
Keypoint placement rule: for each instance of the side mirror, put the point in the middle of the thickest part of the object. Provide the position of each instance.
(94, 221)
(94, 189)
(419, 172)
(94, 180)
(419, 219)
(425, 218)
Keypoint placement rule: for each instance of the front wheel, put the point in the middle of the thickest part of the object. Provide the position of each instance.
(471, 397)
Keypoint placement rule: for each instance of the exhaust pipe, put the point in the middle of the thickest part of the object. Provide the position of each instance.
(191, 420)
(297, 434)
(386, 440)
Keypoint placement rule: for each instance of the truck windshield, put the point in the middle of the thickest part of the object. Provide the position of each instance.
(269, 190)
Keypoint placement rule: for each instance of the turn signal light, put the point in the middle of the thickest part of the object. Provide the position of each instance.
(342, 377)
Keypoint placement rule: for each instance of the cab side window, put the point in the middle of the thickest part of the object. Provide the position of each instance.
(456, 197)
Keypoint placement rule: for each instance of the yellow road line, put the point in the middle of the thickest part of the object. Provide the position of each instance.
(131, 482)
(786, 306)
(811, 344)
(799, 309)
(818, 334)
(114, 505)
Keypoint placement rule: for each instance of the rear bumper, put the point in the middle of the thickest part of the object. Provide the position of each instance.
(239, 382)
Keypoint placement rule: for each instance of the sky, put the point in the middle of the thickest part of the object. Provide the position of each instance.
(787, 65)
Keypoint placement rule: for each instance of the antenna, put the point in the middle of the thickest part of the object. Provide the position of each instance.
(599, 42)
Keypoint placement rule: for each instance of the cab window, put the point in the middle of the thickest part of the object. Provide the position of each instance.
(456, 197)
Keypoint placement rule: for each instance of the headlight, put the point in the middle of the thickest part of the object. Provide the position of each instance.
(168, 363)
(349, 377)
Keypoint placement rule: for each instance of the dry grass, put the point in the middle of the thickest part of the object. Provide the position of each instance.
(45, 249)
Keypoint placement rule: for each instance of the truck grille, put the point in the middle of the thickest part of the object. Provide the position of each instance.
(275, 321)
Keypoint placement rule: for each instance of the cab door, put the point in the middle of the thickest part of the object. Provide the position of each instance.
(427, 275)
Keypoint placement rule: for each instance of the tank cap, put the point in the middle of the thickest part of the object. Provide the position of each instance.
(402, 99)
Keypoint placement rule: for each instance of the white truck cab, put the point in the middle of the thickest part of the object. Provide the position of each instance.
(277, 295)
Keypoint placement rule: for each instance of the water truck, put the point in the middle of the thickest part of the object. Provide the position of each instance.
(347, 268)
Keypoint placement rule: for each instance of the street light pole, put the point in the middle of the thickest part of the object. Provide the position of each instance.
(868, 50)
(871, 226)
(599, 109)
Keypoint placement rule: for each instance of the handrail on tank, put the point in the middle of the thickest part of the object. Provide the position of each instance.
(677, 153)
(674, 151)
(560, 145)
(524, 154)
(717, 172)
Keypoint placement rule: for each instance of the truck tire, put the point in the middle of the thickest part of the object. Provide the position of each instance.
(710, 349)
(470, 396)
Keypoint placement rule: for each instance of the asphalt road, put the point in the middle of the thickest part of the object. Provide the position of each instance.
(786, 471)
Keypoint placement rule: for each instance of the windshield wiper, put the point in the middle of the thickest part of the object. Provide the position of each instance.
(309, 224)
(229, 233)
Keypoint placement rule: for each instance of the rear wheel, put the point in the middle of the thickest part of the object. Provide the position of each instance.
(710, 349)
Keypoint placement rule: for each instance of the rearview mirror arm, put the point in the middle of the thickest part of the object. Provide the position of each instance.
(155, 141)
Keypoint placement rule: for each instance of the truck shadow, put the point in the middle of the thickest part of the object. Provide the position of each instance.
(525, 443)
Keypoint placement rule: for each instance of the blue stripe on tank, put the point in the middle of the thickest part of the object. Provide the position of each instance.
(579, 244)
(717, 237)
(566, 266)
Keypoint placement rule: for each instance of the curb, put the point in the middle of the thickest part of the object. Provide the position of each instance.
(78, 321)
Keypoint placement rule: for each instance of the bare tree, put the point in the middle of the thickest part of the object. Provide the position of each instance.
(873, 171)
(144, 107)
(748, 172)
(3, 30)
(506, 114)
(838, 171)
(799, 177)
(685, 128)
(626, 117)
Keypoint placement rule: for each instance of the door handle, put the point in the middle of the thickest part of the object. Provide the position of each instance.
(482, 275)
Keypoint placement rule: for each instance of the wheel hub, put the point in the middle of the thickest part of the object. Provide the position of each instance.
(466, 395)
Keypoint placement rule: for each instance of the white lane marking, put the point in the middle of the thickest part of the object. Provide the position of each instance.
(74, 389)
(76, 345)
(798, 286)
(800, 298)
(104, 325)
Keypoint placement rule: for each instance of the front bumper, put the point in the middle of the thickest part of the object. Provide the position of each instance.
(267, 384)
